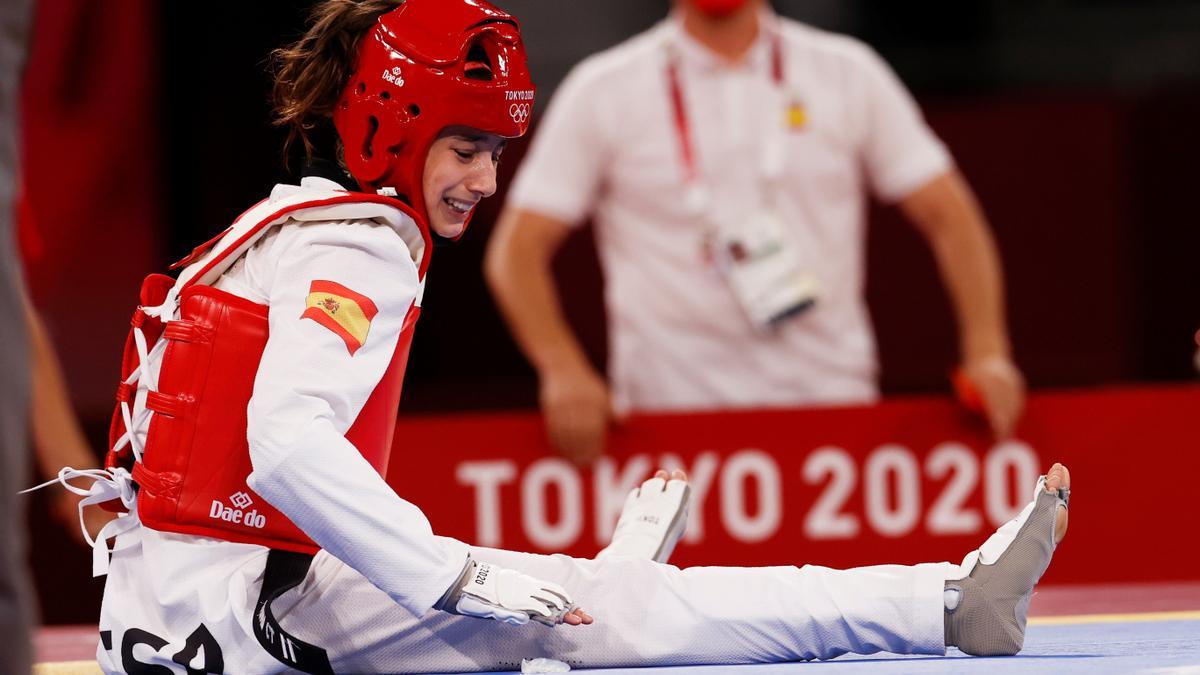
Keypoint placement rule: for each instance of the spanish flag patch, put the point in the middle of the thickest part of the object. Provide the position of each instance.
(341, 310)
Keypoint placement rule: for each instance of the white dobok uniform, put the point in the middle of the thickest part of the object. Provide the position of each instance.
(188, 602)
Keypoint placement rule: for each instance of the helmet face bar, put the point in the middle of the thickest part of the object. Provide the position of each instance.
(425, 66)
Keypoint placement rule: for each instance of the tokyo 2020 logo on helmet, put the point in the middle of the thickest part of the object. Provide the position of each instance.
(519, 112)
(425, 66)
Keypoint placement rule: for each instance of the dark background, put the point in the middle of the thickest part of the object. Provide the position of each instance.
(148, 130)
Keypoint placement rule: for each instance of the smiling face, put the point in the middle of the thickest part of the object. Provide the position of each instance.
(460, 170)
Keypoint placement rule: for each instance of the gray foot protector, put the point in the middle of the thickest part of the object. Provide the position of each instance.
(990, 617)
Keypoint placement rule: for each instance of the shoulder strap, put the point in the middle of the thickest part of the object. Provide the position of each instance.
(256, 222)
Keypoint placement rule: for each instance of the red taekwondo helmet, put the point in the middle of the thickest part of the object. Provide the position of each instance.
(425, 66)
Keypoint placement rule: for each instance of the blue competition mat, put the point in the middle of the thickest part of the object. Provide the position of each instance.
(1107, 645)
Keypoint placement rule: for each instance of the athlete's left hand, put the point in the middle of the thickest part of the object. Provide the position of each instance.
(488, 591)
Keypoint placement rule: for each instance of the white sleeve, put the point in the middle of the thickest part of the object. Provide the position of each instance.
(900, 152)
(309, 389)
(562, 173)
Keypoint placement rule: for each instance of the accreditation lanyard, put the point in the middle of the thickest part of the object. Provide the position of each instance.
(697, 195)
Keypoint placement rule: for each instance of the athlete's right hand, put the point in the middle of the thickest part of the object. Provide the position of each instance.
(575, 401)
(487, 591)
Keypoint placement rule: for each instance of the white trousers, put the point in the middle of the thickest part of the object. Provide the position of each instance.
(173, 600)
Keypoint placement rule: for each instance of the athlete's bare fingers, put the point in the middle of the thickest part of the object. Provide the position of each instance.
(677, 474)
(577, 617)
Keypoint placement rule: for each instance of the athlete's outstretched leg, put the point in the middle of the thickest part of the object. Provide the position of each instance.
(646, 614)
(653, 614)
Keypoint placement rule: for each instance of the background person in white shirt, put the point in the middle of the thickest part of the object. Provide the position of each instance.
(724, 120)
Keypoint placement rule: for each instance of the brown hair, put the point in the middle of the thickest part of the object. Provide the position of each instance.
(311, 72)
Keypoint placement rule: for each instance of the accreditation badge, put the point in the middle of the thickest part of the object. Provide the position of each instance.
(764, 268)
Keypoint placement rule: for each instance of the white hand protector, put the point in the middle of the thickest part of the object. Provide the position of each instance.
(652, 521)
(487, 591)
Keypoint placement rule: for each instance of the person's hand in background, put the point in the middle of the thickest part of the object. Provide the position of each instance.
(993, 387)
(577, 408)
(58, 438)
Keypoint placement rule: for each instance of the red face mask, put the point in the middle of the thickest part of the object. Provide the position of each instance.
(718, 8)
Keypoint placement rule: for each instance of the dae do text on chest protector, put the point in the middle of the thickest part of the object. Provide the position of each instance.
(192, 466)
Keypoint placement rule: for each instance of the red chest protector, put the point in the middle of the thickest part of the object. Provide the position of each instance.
(195, 460)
